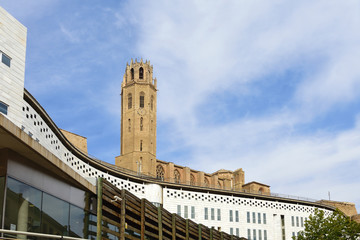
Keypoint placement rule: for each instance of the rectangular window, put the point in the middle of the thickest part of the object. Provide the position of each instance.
(254, 234)
(254, 217)
(297, 221)
(219, 214)
(293, 234)
(236, 216)
(230, 215)
(231, 231)
(142, 101)
(185, 211)
(249, 234)
(179, 210)
(248, 217)
(264, 218)
(206, 213)
(5, 59)
(192, 212)
(302, 221)
(3, 108)
(212, 214)
(260, 235)
(292, 221)
(265, 235)
(259, 219)
(237, 232)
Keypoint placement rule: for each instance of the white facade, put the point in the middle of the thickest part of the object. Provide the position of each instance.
(261, 218)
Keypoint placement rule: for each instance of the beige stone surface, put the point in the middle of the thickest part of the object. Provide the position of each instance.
(78, 141)
(347, 208)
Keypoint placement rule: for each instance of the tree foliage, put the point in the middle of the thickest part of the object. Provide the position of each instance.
(335, 226)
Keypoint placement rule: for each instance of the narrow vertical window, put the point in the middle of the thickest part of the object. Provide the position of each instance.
(236, 216)
(192, 180)
(152, 102)
(176, 176)
(206, 213)
(248, 217)
(249, 234)
(237, 232)
(254, 234)
(212, 214)
(297, 221)
(141, 123)
(141, 146)
(141, 73)
(219, 214)
(231, 231)
(179, 210)
(132, 74)
(264, 218)
(302, 222)
(142, 100)
(292, 221)
(129, 101)
(260, 235)
(265, 235)
(192, 212)
(160, 173)
(129, 124)
(254, 217)
(230, 215)
(185, 211)
(259, 219)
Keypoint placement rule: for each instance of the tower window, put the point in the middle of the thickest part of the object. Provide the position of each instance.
(160, 173)
(132, 74)
(142, 100)
(141, 73)
(141, 123)
(129, 125)
(141, 145)
(129, 101)
(176, 176)
(152, 103)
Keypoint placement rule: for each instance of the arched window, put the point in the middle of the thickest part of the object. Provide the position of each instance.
(141, 123)
(261, 190)
(206, 182)
(142, 100)
(129, 121)
(160, 173)
(141, 146)
(141, 73)
(152, 102)
(192, 179)
(176, 176)
(219, 184)
(132, 74)
(129, 101)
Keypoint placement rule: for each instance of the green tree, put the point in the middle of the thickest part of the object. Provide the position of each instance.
(336, 226)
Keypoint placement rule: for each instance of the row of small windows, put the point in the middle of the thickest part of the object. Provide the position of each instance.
(299, 221)
(5, 59)
(142, 101)
(206, 214)
(257, 234)
(232, 231)
(248, 214)
(186, 211)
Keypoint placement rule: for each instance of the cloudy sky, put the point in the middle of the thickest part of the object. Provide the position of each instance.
(272, 87)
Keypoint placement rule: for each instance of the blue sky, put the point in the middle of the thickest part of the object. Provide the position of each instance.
(268, 86)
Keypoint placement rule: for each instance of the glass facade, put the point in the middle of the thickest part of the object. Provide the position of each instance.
(31, 210)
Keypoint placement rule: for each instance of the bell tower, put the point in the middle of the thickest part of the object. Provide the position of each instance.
(138, 119)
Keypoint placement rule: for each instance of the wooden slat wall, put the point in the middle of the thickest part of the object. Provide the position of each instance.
(134, 218)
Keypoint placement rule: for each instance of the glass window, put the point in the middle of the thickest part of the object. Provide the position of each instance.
(192, 212)
(254, 234)
(265, 235)
(219, 214)
(231, 215)
(142, 100)
(231, 231)
(77, 216)
(179, 210)
(141, 73)
(23, 207)
(236, 216)
(254, 217)
(237, 232)
(206, 213)
(249, 234)
(55, 215)
(259, 219)
(3, 108)
(292, 221)
(302, 221)
(185, 211)
(260, 235)
(212, 214)
(132, 73)
(6, 60)
(2, 191)
(264, 218)
(297, 221)
(129, 101)
(248, 217)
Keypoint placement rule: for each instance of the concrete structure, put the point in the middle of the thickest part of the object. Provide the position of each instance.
(44, 170)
